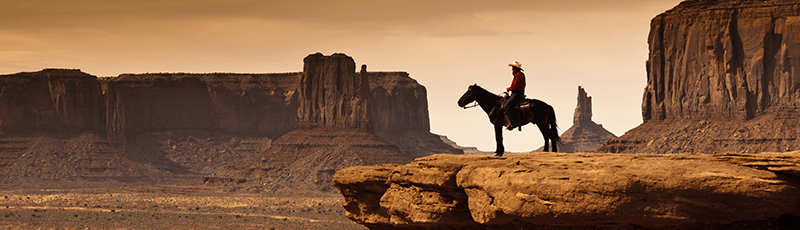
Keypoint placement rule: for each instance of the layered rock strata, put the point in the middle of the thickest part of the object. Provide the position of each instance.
(180, 125)
(52, 100)
(332, 95)
(585, 135)
(334, 130)
(721, 76)
(729, 59)
(401, 114)
(262, 105)
(576, 191)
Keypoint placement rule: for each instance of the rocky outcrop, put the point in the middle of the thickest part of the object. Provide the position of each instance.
(334, 131)
(721, 76)
(576, 191)
(585, 135)
(727, 59)
(58, 101)
(401, 114)
(332, 95)
(81, 131)
(180, 126)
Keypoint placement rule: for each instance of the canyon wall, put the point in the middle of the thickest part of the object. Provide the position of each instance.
(334, 131)
(723, 60)
(70, 101)
(722, 76)
(57, 101)
(170, 125)
(243, 104)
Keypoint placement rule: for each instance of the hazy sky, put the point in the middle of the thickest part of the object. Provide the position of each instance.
(445, 45)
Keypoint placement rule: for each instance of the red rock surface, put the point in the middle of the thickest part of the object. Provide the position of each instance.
(730, 59)
(576, 191)
(65, 128)
(334, 132)
(52, 100)
(722, 76)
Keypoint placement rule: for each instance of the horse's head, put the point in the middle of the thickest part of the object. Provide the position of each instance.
(468, 96)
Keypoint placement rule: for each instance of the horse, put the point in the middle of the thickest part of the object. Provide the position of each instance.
(536, 112)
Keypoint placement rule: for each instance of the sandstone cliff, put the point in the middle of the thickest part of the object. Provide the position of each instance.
(332, 96)
(401, 114)
(721, 76)
(244, 104)
(729, 59)
(171, 127)
(585, 135)
(52, 100)
(577, 191)
(334, 131)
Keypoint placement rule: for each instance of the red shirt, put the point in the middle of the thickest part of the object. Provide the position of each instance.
(518, 83)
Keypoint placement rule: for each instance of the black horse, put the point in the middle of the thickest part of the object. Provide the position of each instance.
(535, 111)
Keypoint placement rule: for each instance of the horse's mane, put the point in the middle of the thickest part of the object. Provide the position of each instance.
(481, 90)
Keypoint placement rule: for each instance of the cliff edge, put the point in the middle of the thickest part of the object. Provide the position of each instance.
(577, 191)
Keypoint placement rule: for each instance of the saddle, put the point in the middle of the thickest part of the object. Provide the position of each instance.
(523, 109)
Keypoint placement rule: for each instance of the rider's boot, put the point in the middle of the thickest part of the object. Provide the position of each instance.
(512, 123)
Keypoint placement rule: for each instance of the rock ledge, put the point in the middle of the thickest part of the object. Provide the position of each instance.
(575, 191)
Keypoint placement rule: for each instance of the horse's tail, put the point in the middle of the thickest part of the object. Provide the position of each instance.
(554, 127)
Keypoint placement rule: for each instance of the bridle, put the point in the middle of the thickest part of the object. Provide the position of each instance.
(471, 106)
(475, 102)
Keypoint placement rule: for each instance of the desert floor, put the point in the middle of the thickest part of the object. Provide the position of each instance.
(167, 207)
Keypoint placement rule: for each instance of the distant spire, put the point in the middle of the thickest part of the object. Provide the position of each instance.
(583, 112)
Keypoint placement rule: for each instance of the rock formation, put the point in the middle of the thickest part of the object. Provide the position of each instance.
(721, 76)
(401, 114)
(262, 105)
(179, 126)
(334, 131)
(52, 100)
(577, 191)
(729, 59)
(585, 135)
(332, 95)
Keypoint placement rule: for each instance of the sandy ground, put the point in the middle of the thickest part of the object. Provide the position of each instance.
(167, 207)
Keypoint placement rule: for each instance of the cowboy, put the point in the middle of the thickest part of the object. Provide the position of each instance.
(517, 89)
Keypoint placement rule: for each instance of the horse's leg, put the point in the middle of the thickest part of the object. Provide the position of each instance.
(545, 134)
(498, 136)
(553, 130)
(553, 135)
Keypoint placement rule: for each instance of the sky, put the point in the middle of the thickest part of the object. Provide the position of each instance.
(445, 45)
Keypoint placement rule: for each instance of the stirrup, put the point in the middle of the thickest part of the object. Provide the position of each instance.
(511, 127)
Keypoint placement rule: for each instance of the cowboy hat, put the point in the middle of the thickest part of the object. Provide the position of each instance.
(516, 64)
